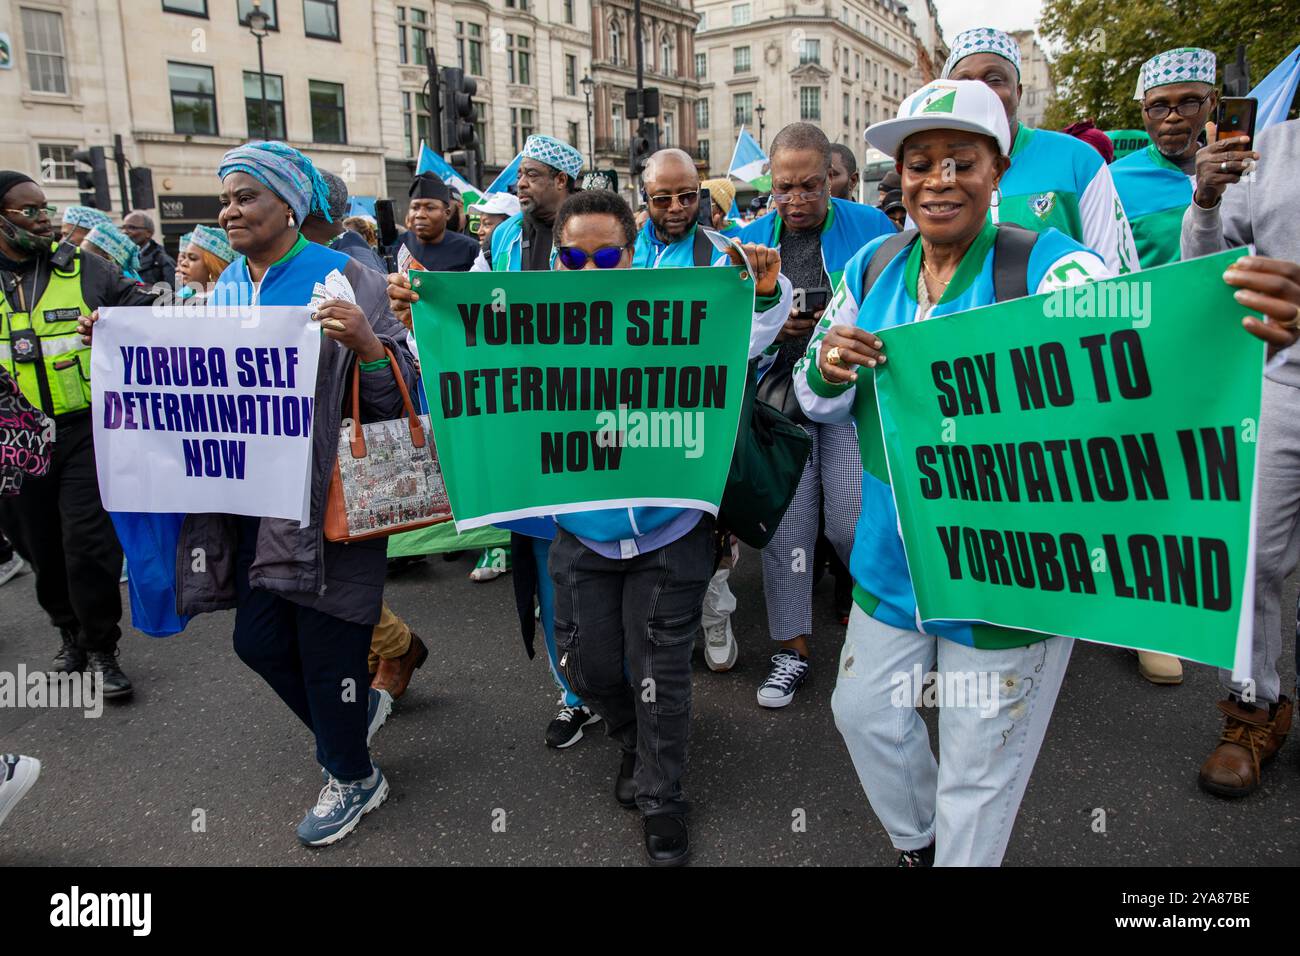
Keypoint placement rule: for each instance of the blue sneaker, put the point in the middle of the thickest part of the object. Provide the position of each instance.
(340, 807)
(378, 706)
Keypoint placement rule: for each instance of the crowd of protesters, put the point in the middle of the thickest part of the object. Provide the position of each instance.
(623, 594)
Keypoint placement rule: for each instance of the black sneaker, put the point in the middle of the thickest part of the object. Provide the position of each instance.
(566, 729)
(788, 671)
(116, 684)
(922, 857)
(624, 783)
(667, 841)
(70, 659)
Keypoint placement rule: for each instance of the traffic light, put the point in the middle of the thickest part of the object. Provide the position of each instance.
(93, 184)
(644, 143)
(142, 196)
(458, 110)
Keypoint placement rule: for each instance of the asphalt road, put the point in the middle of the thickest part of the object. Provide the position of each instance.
(203, 732)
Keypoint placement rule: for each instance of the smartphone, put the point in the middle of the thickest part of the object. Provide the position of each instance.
(811, 300)
(1236, 117)
(705, 215)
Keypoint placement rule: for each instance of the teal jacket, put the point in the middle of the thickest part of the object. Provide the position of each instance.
(848, 227)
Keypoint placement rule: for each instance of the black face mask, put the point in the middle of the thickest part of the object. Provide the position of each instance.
(22, 239)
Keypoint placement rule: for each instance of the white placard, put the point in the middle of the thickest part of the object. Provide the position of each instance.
(205, 410)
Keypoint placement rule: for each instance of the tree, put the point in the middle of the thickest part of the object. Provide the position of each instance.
(1104, 44)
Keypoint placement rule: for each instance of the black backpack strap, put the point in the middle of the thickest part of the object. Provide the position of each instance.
(703, 250)
(1011, 251)
(883, 256)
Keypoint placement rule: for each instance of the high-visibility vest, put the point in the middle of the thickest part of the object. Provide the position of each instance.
(42, 349)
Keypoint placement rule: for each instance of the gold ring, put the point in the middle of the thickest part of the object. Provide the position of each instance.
(1294, 322)
(833, 357)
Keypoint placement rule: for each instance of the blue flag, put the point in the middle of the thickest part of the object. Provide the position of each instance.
(508, 177)
(431, 162)
(749, 163)
(1276, 91)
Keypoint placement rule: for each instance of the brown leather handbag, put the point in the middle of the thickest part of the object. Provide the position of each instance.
(386, 476)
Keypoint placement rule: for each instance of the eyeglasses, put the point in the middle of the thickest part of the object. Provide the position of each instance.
(665, 201)
(787, 198)
(606, 257)
(1188, 107)
(34, 212)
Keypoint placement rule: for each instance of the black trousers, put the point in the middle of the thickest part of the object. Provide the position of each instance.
(643, 612)
(316, 663)
(59, 526)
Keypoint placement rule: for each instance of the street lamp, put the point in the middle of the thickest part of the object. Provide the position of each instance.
(759, 110)
(587, 86)
(258, 25)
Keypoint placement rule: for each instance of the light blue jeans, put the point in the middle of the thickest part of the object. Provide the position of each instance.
(989, 738)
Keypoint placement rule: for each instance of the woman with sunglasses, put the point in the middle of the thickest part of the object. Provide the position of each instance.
(630, 582)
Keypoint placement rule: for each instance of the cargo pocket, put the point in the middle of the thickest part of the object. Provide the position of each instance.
(666, 689)
(72, 386)
(566, 653)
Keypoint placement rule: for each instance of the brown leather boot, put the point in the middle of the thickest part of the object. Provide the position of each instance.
(1249, 740)
(393, 675)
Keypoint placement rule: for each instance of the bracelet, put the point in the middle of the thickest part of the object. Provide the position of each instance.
(376, 365)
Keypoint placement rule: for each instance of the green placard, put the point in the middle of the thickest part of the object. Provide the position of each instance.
(558, 392)
(1082, 462)
(1128, 141)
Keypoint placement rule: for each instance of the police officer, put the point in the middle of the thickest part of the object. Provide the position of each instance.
(57, 522)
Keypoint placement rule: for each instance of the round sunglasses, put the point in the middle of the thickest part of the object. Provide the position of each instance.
(606, 257)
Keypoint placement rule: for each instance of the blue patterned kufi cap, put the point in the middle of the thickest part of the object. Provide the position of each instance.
(982, 40)
(213, 240)
(1187, 64)
(120, 247)
(283, 170)
(84, 217)
(554, 153)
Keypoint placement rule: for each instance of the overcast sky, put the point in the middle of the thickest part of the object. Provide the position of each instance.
(958, 15)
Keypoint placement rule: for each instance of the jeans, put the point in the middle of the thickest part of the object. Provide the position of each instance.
(965, 804)
(59, 526)
(644, 610)
(546, 606)
(316, 663)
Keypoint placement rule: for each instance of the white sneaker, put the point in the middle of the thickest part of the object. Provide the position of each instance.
(12, 568)
(17, 775)
(492, 563)
(720, 650)
(788, 672)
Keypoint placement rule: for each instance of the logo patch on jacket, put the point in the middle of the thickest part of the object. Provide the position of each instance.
(1042, 204)
(24, 348)
(62, 315)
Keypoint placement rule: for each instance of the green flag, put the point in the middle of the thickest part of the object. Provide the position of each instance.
(558, 392)
(1082, 462)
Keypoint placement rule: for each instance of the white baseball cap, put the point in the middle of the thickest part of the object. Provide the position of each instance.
(944, 104)
(497, 204)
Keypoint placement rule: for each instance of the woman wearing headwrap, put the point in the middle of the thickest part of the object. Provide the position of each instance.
(305, 607)
(204, 255)
(79, 220)
(109, 242)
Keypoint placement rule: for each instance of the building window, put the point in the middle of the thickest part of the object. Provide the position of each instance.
(704, 22)
(667, 59)
(741, 59)
(245, 7)
(740, 14)
(469, 39)
(702, 150)
(519, 67)
(517, 4)
(46, 62)
(194, 99)
(417, 26)
(56, 163)
(573, 135)
(568, 11)
(615, 42)
(669, 122)
(415, 107)
(701, 66)
(521, 127)
(742, 109)
(846, 109)
(321, 19)
(857, 66)
(274, 105)
(810, 51)
(810, 103)
(701, 114)
(328, 120)
(193, 8)
(620, 130)
(570, 74)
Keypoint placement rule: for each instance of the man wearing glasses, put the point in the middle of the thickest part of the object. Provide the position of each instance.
(817, 235)
(671, 189)
(57, 522)
(1155, 184)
